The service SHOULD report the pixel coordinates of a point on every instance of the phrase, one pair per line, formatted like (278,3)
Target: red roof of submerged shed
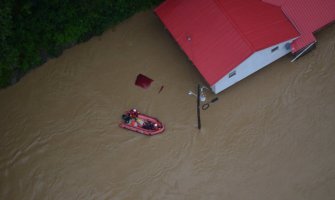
(217,35)
(308,16)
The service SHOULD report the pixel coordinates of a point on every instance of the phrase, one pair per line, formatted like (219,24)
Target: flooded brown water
(271,136)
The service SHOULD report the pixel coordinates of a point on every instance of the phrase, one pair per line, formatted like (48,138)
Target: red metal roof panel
(206,36)
(262,24)
(308,16)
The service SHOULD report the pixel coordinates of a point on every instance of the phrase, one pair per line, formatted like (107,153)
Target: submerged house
(228,40)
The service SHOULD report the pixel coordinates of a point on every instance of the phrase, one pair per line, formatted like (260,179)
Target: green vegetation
(34,30)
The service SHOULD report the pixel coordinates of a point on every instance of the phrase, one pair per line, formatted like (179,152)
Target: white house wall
(255,62)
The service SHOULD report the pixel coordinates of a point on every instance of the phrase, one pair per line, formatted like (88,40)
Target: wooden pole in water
(198,107)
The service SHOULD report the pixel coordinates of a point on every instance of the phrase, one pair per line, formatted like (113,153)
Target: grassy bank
(34,30)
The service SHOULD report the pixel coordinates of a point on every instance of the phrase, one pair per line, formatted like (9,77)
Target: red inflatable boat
(141,123)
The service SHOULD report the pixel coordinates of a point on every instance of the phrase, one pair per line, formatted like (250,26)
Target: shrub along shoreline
(31,31)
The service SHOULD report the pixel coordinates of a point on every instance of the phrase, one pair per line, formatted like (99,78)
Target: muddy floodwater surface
(269,137)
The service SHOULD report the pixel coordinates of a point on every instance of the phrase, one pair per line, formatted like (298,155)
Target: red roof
(217,35)
(308,16)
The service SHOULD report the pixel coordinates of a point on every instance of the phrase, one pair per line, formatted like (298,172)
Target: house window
(274,49)
(231,74)
(288,46)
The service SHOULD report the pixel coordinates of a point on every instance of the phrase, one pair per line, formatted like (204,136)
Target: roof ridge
(244,37)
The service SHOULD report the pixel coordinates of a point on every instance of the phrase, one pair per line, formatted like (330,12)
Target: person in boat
(150,125)
(133,113)
(131,118)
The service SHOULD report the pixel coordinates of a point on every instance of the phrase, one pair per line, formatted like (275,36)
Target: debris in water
(206,105)
(161,89)
(143,81)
